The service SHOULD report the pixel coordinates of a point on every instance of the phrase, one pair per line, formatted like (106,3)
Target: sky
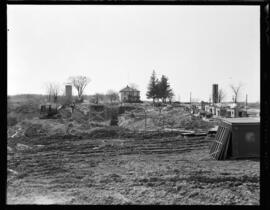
(194,46)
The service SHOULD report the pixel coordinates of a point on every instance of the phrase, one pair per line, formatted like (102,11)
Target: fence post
(144,120)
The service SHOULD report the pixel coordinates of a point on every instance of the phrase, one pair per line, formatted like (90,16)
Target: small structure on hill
(130,95)
(210,108)
(236,111)
(49,110)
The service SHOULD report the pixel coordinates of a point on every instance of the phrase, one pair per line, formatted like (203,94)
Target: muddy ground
(173,170)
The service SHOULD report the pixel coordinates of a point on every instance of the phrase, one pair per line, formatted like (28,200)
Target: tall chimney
(215,94)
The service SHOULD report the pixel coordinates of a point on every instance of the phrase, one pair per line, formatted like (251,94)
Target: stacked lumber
(220,145)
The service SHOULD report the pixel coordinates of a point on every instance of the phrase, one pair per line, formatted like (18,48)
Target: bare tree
(52,91)
(221,95)
(98,97)
(113,95)
(236,90)
(56,91)
(48,90)
(79,82)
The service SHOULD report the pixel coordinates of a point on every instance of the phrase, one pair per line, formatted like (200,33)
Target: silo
(68,93)
(215,94)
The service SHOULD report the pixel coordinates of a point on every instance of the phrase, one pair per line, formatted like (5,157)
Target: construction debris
(22,147)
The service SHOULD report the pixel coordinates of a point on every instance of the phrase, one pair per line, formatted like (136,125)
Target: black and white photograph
(133,104)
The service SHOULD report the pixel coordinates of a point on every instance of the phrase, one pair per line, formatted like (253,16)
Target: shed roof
(129,89)
(242,120)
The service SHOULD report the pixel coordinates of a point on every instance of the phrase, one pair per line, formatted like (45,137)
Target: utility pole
(144,120)
(190,98)
(246,101)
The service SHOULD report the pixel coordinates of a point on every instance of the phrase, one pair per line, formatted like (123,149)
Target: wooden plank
(220,145)
(218,132)
(225,155)
(220,140)
(224,143)
(217,143)
(213,150)
(213,147)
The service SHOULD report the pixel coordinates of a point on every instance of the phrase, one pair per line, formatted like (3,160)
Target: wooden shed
(237,138)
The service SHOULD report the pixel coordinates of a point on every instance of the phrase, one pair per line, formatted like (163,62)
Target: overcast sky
(195,46)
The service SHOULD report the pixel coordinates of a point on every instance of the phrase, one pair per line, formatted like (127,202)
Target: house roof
(129,89)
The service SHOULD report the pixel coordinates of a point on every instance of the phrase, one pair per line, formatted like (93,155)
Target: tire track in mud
(51,158)
(68,148)
(96,164)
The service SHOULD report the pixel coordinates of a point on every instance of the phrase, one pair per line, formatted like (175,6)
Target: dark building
(237,138)
(215,94)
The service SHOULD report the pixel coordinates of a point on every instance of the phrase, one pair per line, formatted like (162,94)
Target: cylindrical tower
(215,94)
(68,93)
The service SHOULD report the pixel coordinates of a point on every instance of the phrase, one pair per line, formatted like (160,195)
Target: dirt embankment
(74,160)
(136,119)
(154,118)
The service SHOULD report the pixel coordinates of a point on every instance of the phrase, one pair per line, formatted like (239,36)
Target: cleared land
(114,169)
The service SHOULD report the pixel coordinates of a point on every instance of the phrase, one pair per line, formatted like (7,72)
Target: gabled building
(236,112)
(129,95)
(221,111)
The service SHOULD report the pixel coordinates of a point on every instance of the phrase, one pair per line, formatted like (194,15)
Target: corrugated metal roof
(242,120)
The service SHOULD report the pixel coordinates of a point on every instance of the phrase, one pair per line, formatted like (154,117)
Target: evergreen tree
(163,87)
(164,90)
(153,87)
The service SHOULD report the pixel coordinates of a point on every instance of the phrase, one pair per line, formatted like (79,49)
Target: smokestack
(215,94)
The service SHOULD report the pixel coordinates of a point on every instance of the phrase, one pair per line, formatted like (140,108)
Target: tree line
(54,91)
(159,89)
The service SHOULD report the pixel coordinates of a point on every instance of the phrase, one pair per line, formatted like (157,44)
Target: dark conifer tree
(152,87)
(164,90)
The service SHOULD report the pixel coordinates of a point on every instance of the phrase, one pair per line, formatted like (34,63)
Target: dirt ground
(174,170)
(75,160)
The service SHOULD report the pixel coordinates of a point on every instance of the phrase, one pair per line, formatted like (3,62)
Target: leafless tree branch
(236,90)
(79,82)
(221,95)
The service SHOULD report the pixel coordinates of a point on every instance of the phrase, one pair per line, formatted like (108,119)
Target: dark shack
(237,138)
